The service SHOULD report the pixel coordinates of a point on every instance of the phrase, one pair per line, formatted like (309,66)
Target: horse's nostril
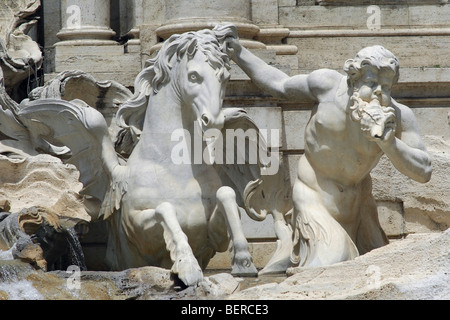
(205,119)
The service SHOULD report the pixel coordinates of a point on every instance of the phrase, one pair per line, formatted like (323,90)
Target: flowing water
(75,250)
(13,281)
(6,255)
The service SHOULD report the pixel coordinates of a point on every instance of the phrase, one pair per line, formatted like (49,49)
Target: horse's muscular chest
(153,185)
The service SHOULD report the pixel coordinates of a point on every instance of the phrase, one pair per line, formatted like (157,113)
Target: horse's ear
(192,48)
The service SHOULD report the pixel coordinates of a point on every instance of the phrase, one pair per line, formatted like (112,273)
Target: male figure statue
(354,121)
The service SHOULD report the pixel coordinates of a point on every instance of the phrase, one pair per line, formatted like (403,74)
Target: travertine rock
(147,283)
(42,238)
(41,181)
(416,267)
(426,207)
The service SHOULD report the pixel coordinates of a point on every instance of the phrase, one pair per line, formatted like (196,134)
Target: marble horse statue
(161,212)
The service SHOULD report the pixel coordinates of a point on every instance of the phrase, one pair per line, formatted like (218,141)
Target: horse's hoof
(242,265)
(244,271)
(188,271)
(191,279)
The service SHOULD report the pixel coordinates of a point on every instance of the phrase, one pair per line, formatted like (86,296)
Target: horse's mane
(156,72)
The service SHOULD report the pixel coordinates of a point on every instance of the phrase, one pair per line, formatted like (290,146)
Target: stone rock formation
(43,239)
(146,283)
(416,267)
(43,181)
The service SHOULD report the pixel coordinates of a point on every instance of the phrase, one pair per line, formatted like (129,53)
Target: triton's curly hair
(375,56)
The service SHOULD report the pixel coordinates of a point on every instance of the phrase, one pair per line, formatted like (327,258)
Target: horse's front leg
(185,265)
(241,261)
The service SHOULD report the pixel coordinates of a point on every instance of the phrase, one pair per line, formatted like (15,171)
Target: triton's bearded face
(375,84)
(371,101)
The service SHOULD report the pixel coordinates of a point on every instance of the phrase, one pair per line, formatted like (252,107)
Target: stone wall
(297,36)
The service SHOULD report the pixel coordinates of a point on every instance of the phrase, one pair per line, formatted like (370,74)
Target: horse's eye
(194,77)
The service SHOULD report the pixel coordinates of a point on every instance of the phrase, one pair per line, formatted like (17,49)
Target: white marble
(353,123)
(164,212)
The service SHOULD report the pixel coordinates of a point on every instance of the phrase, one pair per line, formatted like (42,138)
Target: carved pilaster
(182,16)
(130,25)
(87,43)
(85,22)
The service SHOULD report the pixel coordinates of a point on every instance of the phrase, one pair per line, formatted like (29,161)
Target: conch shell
(379,114)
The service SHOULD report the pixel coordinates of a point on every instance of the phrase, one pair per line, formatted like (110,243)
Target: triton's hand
(389,131)
(225,33)
(378,126)
(233,47)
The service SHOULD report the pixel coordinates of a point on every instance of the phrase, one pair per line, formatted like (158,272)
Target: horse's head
(195,65)
(202,74)
(202,83)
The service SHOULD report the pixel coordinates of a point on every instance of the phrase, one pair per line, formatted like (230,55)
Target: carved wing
(250,168)
(262,185)
(79,135)
(14,138)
